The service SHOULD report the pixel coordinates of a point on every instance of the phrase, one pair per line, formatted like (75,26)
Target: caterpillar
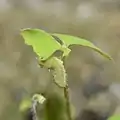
(59,72)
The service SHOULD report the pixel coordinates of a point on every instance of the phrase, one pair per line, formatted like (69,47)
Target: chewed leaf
(114,117)
(71,40)
(44,45)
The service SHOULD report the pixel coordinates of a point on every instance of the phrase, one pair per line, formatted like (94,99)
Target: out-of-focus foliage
(96,20)
(115,117)
(55,108)
(25,104)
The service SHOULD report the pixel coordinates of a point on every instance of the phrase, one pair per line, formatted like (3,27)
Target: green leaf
(44,45)
(114,117)
(71,40)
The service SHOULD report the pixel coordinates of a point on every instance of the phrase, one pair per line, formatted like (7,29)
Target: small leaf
(44,45)
(39,98)
(114,117)
(71,40)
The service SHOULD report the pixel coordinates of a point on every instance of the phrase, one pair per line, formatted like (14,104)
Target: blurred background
(94,81)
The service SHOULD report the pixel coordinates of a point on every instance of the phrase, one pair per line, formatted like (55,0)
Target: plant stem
(66,95)
(33,110)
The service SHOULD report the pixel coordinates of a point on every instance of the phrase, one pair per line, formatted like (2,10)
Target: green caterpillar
(58,71)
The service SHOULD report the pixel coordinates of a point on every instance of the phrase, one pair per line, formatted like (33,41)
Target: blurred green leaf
(44,45)
(71,40)
(114,117)
(25,104)
(54,107)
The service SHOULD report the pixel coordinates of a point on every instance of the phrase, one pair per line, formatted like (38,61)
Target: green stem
(67,97)
(68,109)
